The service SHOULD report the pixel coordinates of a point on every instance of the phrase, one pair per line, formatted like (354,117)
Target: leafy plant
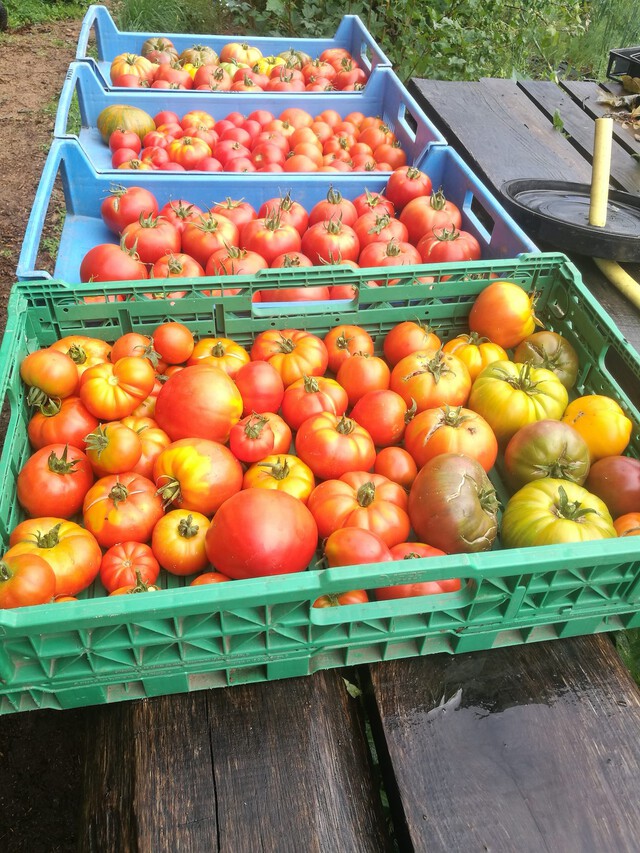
(22,12)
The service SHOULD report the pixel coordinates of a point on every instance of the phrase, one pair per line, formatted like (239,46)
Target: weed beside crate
(102,649)
(110,42)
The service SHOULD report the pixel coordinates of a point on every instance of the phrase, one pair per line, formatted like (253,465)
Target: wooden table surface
(527,748)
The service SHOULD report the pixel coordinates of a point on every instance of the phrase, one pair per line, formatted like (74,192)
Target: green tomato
(510,396)
(550,511)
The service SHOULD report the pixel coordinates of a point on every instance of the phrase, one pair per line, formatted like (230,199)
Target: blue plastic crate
(84,190)
(384,96)
(110,42)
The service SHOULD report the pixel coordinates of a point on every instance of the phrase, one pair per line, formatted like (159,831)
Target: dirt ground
(40,786)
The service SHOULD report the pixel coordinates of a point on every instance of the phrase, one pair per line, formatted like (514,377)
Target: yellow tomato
(285,473)
(475,351)
(602,424)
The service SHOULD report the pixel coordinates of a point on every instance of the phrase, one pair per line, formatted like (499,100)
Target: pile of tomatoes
(239,67)
(293,141)
(219,462)
(407,224)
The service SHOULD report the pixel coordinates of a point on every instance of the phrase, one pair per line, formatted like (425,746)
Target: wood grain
(543,752)
(586,95)
(276,766)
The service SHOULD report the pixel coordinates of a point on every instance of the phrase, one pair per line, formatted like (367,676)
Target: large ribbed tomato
(332,445)
(450,430)
(121,507)
(294,353)
(113,391)
(431,379)
(199,401)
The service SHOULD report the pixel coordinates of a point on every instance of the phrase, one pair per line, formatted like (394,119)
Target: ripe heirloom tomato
(113,448)
(209,577)
(476,352)
(416,551)
(360,499)
(289,212)
(55,479)
(270,237)
(334,206)
(220,352)
(601,422)
(408,337)
(354,596)
(343,341)
(176,265)
(379,228)
(134,344)
(125,205)
(453,506)
(361,374)
(72,552)
(450,430)
(309,396)
(405,184)
(259,532)
(153,441)
(251,439)
(49,373)
(178,541)
(503,312)
(83,351)
(431,379)
(179,212)
(209,233)
(326,241)
(127,562)
(68,422)
(424,214)
(121,507)
(350,546)
(546,448)
(510,396)
(25,579)
(552,351)
(332,445)
(282,472)
(110,262)
(396,464)
(198,402)
(112,391)
(151,237)
(293,353)
(260,386)
(196,474)
(548,512)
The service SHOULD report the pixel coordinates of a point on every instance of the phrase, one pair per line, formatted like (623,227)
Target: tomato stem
(170,491)
(5,572)
(279,470)
(187,528)
(570,510)
(366,494)
(60,464)
(311,385)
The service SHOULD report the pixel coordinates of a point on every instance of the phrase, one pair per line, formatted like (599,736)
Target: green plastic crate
(104,649)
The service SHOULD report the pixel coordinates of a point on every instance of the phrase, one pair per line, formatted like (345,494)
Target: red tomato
(251,439)
(201,239)
(444,245)
(343,341)
(311,395)
(125,205)
(270,237)
(408,337)
(332,445)
(197,474)
(108,262)
(235,261)
(173,342)
(68,423)
(361,373)
(237,210)
(416,551)
(428,212)
(325,241)
(261,532)
(383,413)
(72,552)
(48,373)
(405,184)
(128,563)
(120,507)
(176,265)
(350,546)
(198,402)
(289,212)
(377,202)
(55,479)
(209,577)
(179,212)
(396,464)
(113,448)
(374,227)
(336,206)
(261,387)
(431,379)
(25,579)
(153,441)
(628,524)
(355,596)
(178,542)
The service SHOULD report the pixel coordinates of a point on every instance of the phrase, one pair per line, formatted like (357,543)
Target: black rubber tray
(557,213)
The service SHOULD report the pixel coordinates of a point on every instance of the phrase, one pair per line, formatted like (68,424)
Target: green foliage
(628,645)
(172,16)
(22,12)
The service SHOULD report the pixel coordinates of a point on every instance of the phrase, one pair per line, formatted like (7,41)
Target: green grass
(172,16)
(23,12)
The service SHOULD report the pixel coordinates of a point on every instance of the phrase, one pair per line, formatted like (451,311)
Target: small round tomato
(351,546)
(284,473)
(252,438)
(343,341)
(408,337)
(173,342)
(55,479)
(178,541)
(628,524)
(396,464)
(25,579)
(384,415)
(127,562)
(48,373)
(113,448)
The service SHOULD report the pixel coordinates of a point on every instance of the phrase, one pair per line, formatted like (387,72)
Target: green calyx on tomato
(437,200)
(446,235)
(571,510)
(366,494)
(61,464)
(382,221)
(522,381)
(49,539)
(187,528)
(345,426)
(46,405)
(278,470)
(170,491)
(77,354)
(436,366)
(311,385)
(254,425)
(141,585)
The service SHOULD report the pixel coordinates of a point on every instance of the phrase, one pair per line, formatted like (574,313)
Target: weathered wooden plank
(277,766)
(498,131)
(578,124)
(586,94)
(539,748)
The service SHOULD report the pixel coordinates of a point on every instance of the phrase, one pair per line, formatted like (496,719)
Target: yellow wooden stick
(600,173)
(627,285)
